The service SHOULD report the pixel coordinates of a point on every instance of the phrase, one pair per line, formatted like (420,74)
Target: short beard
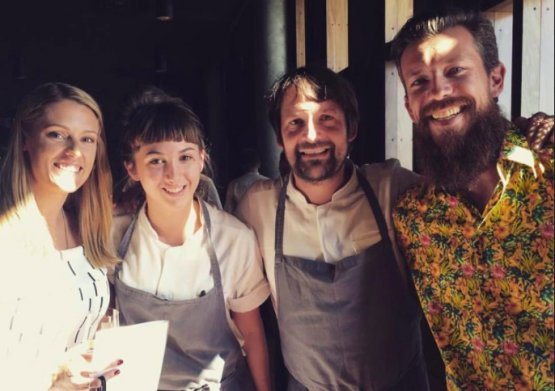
(459,159)
(327,167)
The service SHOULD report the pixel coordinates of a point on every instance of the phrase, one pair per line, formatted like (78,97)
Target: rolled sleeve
(243,275)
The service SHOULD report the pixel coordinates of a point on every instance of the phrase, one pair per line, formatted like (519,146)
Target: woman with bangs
(55,218)
(184,260)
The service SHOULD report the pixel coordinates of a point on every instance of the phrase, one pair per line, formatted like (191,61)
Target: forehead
(452,44)
(167,146)
(69,113)
(295,101)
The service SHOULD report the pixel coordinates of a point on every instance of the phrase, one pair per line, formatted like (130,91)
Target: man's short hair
(430,24)
(314,84)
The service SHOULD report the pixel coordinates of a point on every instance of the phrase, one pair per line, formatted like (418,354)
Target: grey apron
(198,329)
(351,325)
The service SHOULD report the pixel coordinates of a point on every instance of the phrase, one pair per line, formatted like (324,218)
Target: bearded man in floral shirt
(478,234)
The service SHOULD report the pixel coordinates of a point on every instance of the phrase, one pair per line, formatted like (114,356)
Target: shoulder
(223,222)
(389,169)
(120,222)
(263,187)
(389,176)
(259,199)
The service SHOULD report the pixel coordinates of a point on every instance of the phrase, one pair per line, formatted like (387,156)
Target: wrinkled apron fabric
(200,342)
(350,325)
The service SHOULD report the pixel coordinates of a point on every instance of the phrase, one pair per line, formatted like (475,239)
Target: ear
(497,80)
(409,110)
(131,170)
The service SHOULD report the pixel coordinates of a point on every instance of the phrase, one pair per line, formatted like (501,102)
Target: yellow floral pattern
(485,280)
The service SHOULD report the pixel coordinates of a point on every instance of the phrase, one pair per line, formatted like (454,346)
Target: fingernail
(120,362)
(116,372)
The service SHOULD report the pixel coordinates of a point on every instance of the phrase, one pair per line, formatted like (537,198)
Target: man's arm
(538,130)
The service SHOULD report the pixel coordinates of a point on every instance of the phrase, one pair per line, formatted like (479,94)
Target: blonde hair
(91,203)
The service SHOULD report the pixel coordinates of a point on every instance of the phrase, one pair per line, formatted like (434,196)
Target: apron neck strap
(280,217)
(126,240)
(374,205)
(370,196)
(210,245)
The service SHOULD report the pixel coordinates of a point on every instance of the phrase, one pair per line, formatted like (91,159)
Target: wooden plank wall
(337,34)
(537,57)
(300,33)
(398,125)
(502,19)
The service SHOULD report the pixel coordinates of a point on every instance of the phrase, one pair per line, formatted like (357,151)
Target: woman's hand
(78,374)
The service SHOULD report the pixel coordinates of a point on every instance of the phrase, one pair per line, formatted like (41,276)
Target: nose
(169,170)
(312,132)
(441,87)
(72,147)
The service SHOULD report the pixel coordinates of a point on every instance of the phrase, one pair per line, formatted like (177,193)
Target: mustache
(318,144)
(427,110)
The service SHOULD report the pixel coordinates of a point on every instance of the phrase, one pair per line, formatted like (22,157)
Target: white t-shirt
(183,272)
(330,232)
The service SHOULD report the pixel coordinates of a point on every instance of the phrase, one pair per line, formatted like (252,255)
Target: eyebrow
(65,127)
(156,152)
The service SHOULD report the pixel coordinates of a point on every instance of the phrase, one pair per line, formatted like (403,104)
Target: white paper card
(140,346)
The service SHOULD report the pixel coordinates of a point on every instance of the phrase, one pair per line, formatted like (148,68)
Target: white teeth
(174,190)
(445,113)
(314,151)
(68,167)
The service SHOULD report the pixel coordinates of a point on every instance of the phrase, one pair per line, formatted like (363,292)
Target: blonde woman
(55,218)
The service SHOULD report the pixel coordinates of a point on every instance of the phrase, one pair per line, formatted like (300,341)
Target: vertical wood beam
(337,34)
(300,33)
(502,20)
(398,125)
(547,62)
(531,32)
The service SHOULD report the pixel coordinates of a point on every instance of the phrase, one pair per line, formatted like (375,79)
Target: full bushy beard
(317,170)
(461,156)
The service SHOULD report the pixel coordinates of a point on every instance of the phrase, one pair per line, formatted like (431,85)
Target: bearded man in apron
(347,315)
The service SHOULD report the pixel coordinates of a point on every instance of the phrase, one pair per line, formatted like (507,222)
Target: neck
(319,193)
(482,188)
(50,205)
(174,226)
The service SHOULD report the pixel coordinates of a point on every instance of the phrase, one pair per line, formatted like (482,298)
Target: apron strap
(403,267)
(375,206)
(126,240)
(210,246)
(280,218)
(372,200)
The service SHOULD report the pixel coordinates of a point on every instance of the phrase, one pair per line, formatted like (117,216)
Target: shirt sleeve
(250,287)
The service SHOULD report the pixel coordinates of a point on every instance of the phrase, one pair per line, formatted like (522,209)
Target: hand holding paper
(140,346)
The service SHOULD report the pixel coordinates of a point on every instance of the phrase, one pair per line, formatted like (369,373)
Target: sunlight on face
(62,147)
(439,45)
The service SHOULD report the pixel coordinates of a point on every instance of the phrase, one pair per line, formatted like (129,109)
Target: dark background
(209,54)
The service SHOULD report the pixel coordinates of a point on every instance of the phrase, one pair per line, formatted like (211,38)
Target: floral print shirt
(485,279)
